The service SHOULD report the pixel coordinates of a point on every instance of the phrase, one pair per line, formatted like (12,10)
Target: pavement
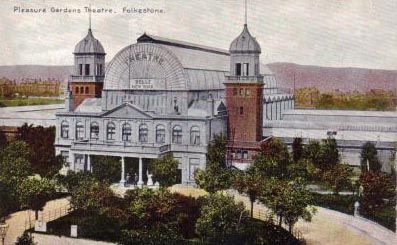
(18,221)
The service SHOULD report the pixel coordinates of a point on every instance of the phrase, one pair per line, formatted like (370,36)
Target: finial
(245,23)
(89,16)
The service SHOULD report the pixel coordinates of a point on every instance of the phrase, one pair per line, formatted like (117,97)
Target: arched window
(79,131)
(64,130)
(143,133)
(177,134)
(160,134)
(81,90)
(94,131)
(126,132)
(77,90)
(87,90)
(194,135)
(110,131)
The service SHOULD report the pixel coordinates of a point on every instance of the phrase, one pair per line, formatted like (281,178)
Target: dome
(89,45)
(245,43)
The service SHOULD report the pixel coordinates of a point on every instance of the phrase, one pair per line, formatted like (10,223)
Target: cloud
(357,33)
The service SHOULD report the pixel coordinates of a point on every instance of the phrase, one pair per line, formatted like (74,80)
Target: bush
(344,204)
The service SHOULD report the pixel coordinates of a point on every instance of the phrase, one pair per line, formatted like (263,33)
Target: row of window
(242,91)
(82,90)
(98,69)
(126,132)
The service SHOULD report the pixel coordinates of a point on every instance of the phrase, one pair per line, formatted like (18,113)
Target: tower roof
(89,45)
(245,43)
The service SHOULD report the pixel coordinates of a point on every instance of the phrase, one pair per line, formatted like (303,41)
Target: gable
(127,111)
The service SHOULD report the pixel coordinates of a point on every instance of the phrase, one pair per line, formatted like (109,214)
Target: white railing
(48,216)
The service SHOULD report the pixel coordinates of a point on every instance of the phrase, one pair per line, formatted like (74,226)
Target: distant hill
(324,78)
(328,79)
(20,72)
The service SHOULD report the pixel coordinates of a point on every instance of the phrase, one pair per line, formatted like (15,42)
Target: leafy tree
(270,167)
(338,178)
(8,202)
(42,150)
(34,193)
(276,150)
(14,165)
(165,170)
(288,200)
(72,180)
(312,152)
(213,179)
(162,234)
(25,239)
(297,149)
(3,139)
(369,158)
(250,183)
(220,218)
(217,152)
(106,168)
(329,154)
(304,169)
(376,186)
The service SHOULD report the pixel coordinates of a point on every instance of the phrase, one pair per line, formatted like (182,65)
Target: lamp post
(3,231)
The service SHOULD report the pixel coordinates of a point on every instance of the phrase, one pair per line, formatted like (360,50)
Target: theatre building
(160,96)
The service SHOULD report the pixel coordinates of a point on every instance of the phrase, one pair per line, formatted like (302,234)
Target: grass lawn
(29,101)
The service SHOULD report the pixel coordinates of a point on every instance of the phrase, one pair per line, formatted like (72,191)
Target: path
(17,221)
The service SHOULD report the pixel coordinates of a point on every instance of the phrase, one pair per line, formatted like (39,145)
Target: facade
(161,96)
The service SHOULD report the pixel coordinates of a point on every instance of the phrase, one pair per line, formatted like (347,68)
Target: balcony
(245,79)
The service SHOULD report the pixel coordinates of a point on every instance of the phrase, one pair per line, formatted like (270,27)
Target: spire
(245,22)
(89,17)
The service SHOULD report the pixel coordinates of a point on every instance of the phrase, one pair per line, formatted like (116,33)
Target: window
(80,69)
(245,69)
(194,135)
(87,90)
(160,134)
(81,90)
(256,69)
(64,130)
(126,132)
(143,133)
(94,131)
(110,131)
(241,110)
(234,91)
(241,92)
(238,69)
(79,131)
(245,154)
(247,92)
(100,69)
(177,135)
(77,90)
(65,156)
(87,69)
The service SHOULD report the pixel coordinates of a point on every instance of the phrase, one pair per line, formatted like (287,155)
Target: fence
(48,216)
(264,216)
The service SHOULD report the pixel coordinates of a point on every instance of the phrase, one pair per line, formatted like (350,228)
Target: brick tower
(89,70)
(244,100)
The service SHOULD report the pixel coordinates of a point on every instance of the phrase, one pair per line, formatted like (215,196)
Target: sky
(335,33)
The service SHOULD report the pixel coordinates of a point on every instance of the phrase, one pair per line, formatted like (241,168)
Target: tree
(369,158)
(3,139)
(216,176)
(42,150)
(72,180)
(14,165)
(219,218)
(329,154)
(165,170)
(376,187)
(297,149)
(312,152)
(250,183)
(217,152)
(34,193)
(270,167)
(106,168)
(8,199)
(304,169)
(213,179)
(289,200)
(339,177)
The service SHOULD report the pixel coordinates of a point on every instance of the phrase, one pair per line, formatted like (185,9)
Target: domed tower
(244,100)
(89,69)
